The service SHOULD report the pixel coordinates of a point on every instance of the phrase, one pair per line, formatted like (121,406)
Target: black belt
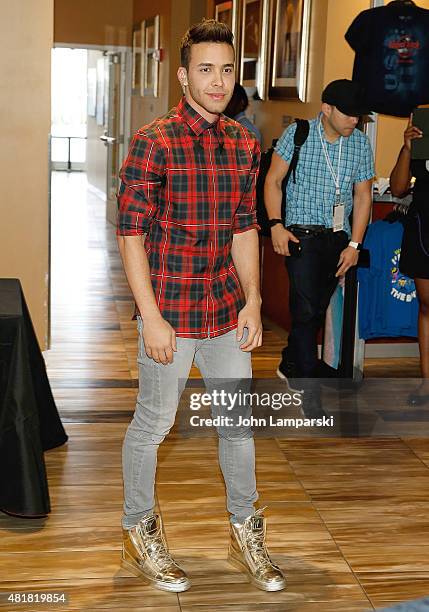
(313,230)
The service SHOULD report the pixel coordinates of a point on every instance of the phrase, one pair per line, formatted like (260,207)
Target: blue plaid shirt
(311,199)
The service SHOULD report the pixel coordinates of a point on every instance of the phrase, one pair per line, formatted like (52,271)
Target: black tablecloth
(29,421)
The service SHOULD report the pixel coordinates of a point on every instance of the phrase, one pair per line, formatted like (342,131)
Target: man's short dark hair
(208,30)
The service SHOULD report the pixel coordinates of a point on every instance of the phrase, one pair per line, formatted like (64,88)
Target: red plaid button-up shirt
(190,185)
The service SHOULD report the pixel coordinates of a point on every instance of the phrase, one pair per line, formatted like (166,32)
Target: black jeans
(312,282)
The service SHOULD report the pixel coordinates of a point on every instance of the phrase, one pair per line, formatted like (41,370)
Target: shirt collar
(195,121)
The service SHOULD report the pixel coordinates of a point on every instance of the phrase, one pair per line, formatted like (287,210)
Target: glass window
(69,103)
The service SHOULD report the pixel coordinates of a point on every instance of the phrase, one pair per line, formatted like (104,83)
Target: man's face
(210,78)
(341,123)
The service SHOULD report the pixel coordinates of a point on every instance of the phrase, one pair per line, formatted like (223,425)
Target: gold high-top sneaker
(145,554)
(247,552)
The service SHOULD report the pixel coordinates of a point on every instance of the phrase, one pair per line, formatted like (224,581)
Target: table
(29,420)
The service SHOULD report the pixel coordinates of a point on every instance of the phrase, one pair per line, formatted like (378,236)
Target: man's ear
(327,109)
(182,75)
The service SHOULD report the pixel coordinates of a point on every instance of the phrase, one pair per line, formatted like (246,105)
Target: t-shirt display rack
(352,346)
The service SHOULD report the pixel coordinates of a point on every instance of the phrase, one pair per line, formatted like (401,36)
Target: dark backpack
(300,136)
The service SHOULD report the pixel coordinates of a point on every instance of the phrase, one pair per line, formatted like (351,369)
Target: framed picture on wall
(227,12)
(223,12)
(151,57)
(137,59)
(254,40)
(290,42)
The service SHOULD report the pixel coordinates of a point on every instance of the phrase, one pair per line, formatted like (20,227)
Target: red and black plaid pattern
(190,185)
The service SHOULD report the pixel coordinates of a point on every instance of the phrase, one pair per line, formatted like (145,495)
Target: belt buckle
(316,231)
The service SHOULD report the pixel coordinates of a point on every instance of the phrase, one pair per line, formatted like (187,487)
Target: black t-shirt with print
(392,56)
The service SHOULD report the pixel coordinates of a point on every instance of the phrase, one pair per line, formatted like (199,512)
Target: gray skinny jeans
(160,388)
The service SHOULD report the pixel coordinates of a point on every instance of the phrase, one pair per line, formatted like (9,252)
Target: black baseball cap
(347,96)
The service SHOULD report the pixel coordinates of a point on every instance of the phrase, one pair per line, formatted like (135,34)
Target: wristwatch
(356,245)
(273,222)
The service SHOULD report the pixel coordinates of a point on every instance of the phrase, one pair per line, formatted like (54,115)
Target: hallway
(347,518)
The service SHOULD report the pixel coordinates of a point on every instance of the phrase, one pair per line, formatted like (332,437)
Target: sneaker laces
(157,546)
(256,542)
(163,557)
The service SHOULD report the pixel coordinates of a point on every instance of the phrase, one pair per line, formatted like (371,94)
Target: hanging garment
(388,305)
(392,56)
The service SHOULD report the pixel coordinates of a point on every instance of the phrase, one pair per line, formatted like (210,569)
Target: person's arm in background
(141,177)
(280,236)
(401,176)
(245,255)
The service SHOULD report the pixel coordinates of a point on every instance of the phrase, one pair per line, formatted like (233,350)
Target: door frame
(124,129)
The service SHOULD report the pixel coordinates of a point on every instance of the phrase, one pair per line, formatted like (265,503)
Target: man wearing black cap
(333,180)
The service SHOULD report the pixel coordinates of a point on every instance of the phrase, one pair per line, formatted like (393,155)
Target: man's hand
(280,237)
(159,340)
(250,317)
(348,258)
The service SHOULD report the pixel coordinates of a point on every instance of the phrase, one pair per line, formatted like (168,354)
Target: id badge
(338,218)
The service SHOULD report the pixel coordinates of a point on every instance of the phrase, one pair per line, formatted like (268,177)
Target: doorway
(90,116)
(91,93)
(69,109)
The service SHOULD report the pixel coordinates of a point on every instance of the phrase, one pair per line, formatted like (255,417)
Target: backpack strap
(300,136)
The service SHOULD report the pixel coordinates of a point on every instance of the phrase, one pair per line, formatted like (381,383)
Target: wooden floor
(348,518)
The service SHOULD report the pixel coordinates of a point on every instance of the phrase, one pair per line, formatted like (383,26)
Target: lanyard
(335,176)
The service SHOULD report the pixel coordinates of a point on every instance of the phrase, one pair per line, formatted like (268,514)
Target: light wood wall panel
(98,22)
(26,31)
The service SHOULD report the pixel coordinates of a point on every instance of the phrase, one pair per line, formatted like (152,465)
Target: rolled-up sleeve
(285,144)
(245,215)
(366,170)
(142,176)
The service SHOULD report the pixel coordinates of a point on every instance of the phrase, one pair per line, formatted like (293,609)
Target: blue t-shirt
(311,199)
(388,305)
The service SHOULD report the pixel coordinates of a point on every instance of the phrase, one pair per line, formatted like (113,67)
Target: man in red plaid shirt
(187,234)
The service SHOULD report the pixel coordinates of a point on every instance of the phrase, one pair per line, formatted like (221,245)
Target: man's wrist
(355,245)
(253,299)
(152,316)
